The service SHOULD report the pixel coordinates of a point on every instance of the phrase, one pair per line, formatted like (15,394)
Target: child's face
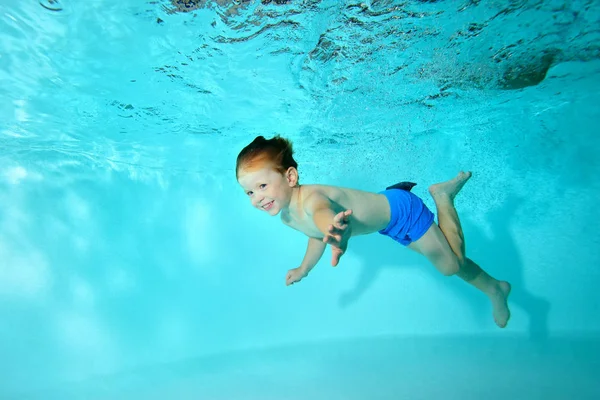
(268,190)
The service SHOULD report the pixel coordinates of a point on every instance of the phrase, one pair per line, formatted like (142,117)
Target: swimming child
(268,173)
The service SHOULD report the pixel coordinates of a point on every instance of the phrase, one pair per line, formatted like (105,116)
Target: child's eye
(249,193)
(262,186)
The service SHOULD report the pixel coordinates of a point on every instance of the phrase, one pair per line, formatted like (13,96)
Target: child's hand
(338,236)
(295,275)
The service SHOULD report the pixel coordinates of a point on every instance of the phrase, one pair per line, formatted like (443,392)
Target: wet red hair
(277,151)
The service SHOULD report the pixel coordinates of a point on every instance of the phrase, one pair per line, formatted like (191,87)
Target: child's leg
(445,248)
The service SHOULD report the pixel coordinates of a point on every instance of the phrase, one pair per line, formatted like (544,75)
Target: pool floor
(375,368)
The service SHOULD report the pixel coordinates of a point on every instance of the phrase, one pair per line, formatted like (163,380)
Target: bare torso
(370,211)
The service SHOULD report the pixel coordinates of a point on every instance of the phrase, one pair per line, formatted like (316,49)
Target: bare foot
(499,303)
(450,188)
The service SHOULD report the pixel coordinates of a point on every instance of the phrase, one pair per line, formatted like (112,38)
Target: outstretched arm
(335,226)
(321,210)
(314,252)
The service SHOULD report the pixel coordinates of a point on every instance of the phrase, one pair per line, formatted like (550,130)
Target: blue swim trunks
(410,217)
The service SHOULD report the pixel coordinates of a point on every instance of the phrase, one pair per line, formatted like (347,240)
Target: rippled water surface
(141,84)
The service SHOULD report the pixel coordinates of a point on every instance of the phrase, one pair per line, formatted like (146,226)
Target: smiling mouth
(268,205)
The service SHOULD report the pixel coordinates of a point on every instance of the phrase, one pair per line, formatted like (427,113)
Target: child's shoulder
(317,190)
(322,194)
(317,195)
(330,190)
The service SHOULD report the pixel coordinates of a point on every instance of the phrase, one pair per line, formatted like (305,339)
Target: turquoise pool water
(133,267)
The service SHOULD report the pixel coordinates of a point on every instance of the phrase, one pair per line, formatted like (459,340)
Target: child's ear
(292,176)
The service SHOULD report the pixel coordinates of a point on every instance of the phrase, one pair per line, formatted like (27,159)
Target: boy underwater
(268,173)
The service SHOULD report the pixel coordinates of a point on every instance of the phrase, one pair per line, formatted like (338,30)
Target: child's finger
(342,216)
(333,239)
(334,260)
